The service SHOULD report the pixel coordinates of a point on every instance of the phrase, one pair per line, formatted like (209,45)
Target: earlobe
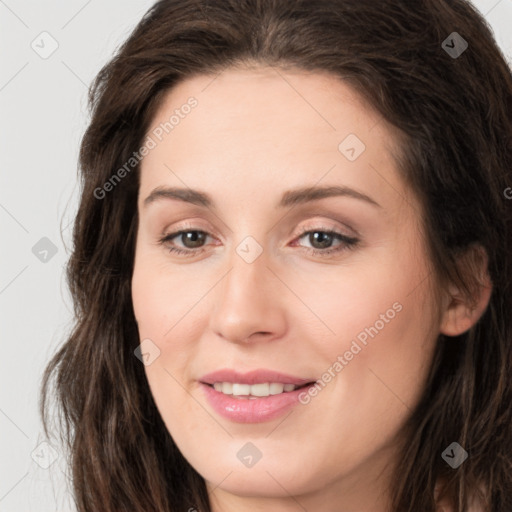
(461,312)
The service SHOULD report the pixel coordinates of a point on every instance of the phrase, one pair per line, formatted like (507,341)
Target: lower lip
(246,410)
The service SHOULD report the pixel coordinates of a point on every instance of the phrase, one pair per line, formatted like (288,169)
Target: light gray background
(42,118)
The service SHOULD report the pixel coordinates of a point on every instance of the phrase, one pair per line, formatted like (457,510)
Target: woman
(292,263)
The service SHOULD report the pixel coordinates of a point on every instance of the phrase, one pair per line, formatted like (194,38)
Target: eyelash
(348,242)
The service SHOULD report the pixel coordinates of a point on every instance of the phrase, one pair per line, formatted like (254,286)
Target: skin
(255,134)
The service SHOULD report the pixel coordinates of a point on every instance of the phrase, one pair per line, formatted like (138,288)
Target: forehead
(267,101)
(265,127)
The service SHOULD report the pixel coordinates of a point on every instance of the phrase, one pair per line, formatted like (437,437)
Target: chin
(273,479)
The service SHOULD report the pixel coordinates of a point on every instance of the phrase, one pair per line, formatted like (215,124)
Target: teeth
(259,389)
(241,389)
(254,390)
(275,388)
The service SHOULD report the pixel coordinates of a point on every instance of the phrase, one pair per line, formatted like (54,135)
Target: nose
(249,303)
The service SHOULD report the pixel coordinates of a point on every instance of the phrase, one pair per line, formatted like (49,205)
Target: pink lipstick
(253,397)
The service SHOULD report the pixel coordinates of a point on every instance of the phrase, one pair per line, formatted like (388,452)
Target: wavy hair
(454,117)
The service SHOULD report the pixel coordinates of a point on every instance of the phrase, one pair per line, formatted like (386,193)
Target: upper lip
(253,377)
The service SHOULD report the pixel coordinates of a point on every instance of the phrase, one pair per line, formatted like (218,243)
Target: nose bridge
(245,300)
(248,260)
(248,275)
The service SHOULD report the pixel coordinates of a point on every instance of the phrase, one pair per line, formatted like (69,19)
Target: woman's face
(281,154)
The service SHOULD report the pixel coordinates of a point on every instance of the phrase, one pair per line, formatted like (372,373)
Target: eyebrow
(289,198)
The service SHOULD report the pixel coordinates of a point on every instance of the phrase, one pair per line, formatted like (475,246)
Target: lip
(253,377)
(258,410)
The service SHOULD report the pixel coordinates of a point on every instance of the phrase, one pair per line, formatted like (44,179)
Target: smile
(253,397)
(254,391)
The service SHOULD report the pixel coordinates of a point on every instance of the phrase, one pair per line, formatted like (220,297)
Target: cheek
(380,345)
(386,347)
(155,304)
(163,309)
(169,312)
(162,300)
(374,372)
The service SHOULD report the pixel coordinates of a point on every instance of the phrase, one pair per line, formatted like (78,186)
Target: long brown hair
(454,114)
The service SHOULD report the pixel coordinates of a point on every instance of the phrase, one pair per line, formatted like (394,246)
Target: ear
(460,310)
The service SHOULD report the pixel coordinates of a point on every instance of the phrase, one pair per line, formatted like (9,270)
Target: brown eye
(322,238)
(192,239)
(321,241)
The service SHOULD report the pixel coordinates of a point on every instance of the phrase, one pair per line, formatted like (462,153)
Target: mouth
(254,391)
(254,397)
